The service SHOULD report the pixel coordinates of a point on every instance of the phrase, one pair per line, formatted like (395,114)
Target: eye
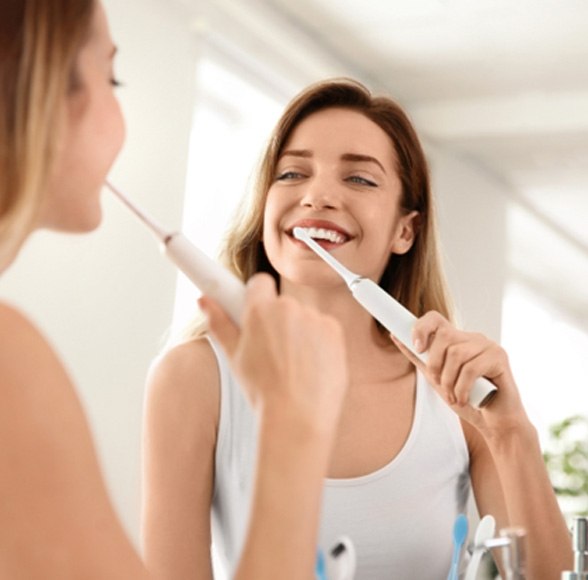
(362,181)
(115,83)
(289,176)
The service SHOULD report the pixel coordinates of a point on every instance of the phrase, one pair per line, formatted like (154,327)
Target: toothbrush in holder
(209,276)
(398,320)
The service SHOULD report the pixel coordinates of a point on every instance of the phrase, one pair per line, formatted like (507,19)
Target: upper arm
(180,430)
(56,520)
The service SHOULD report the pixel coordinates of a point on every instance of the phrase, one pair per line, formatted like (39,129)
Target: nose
(321,194)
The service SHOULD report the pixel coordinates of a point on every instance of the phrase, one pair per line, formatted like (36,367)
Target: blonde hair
(415,279)
(39,44)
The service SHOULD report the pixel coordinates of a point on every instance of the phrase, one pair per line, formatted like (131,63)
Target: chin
(78,223)
(89,223)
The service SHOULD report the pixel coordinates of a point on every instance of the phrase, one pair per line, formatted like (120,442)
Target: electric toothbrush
(209,276)
(398,320)
(484,532)
(342,560)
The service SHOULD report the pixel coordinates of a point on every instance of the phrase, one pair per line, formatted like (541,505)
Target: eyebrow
(296,153)
(362,158)
(305,153)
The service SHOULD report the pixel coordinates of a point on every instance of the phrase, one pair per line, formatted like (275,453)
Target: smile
(325,234)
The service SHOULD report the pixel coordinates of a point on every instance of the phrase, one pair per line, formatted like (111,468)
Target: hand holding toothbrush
(287,355)
(455,359)
(291,361)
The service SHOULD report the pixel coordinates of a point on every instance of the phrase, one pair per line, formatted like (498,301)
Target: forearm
(282,538)
(531,502)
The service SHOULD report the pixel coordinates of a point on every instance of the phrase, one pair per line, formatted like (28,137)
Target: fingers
(221,326)
(260,289)
(261,296)
(408,354)
(464,363)
(455,358)
(425,330)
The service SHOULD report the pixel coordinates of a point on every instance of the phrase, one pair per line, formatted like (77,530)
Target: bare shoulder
(183,360)
(16,329)
(36,391)
(26,357)
(185,381)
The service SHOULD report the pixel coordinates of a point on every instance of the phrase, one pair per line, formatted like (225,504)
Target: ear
(407,229)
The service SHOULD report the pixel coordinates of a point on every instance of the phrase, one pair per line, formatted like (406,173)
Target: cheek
(271,216)
(90,147)
(104,135)
(120,130)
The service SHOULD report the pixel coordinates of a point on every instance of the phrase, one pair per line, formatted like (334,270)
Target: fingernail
(418,345)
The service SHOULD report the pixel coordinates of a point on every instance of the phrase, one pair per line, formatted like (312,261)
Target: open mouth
(326,237)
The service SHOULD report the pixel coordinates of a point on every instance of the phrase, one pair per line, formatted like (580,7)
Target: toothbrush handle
(453,572)
(474,564)
(399,321)
(209,276)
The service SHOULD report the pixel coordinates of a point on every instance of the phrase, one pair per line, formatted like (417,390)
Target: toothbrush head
(347,275)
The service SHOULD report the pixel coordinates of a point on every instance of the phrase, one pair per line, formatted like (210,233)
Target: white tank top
(399,518)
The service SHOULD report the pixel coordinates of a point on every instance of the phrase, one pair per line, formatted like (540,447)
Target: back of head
(39,43)
(415,278)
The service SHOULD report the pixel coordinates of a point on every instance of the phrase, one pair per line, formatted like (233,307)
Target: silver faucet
(511,542)
(513,553)
(580,547)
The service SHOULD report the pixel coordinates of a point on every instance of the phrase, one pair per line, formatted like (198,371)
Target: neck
(334,299)
(370,351)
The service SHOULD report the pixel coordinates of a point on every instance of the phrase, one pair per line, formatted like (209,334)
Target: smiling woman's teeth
(324,234)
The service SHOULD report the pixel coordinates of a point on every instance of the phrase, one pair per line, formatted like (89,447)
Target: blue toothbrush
(320,570)
(460,533)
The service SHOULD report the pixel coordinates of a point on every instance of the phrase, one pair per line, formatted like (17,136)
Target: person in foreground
(349,169)
(60,130)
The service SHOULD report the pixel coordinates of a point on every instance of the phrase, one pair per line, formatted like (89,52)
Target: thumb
(408,354)
(261,288)
(221,326)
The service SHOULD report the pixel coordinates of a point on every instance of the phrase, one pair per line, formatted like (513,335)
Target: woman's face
(336,176)
(93,137)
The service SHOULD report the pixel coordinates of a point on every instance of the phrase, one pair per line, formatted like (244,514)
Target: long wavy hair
(39,44)
(416,278)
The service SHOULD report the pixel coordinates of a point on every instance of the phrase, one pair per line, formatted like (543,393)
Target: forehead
(338,129)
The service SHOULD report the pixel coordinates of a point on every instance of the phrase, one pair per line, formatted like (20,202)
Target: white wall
(472,209)
(106,299)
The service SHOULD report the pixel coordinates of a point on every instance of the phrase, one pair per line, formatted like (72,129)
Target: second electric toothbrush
(398,320)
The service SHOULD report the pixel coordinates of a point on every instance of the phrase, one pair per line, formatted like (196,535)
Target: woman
(60,130)
(348,167)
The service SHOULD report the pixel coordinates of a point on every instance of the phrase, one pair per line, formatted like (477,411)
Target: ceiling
(503,84)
